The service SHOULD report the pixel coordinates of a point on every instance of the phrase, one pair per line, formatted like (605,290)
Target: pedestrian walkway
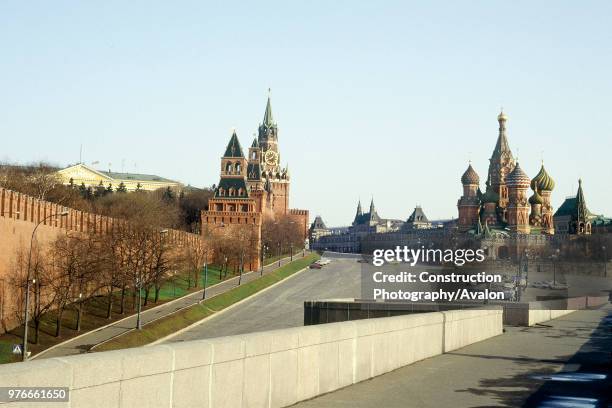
(84,342)
(564,362)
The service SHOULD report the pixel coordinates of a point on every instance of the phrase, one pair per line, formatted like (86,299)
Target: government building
(81,174)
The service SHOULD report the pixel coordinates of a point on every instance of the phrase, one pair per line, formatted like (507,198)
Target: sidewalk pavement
(83,343)
(564,362)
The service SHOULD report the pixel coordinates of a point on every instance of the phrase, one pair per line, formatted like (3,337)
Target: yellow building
(83,174)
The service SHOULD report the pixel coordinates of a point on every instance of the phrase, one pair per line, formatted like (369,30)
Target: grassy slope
(94,316)
(170,324)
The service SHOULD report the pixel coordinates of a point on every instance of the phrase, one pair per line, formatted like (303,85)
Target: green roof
(233,148)
(268,120)
(136,177)
(231,182)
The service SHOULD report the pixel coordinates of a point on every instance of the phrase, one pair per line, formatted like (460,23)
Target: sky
(386,99)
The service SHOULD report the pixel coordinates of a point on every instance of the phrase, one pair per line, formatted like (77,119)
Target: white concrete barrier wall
(267,369)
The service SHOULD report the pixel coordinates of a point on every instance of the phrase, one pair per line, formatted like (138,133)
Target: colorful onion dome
(536,198)
(542,181)
(470,176)
(518,178)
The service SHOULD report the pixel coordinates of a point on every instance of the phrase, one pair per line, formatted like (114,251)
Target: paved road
(84,343)
(283,305)
(508,370)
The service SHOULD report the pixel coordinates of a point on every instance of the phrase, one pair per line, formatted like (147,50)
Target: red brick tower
(469,203)
(518,207)
(232,212)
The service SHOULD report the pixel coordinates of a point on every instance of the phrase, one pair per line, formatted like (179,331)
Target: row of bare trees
(76,268)
(281,235)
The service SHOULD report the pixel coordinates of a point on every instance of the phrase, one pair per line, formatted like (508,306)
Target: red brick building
(252,189)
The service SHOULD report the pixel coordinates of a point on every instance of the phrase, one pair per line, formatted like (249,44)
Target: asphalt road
(283,305)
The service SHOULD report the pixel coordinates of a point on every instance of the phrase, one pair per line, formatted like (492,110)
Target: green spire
(268,120)
(581,207)
(233,147)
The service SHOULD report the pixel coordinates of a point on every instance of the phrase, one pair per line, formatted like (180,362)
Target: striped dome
(518,178)
(470,176)
(542,181)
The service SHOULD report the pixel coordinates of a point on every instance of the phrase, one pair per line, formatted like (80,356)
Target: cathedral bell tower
(501,163)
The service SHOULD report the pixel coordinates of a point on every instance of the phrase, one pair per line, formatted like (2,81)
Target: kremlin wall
(19,215)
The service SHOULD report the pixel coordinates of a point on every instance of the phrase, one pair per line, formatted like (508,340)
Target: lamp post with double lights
(28,281)
(554,258)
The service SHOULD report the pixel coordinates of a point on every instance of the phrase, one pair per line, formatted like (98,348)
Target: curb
(184,329)
(92,348)
(128,317)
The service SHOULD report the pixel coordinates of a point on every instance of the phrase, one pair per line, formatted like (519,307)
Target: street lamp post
(24,350)
(173,284)
(279,254)
(554,259)
(263,252)
(241,267)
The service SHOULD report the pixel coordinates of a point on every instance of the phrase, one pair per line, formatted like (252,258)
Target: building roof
(470,176)
(502,146)
(268,120)
(117,176)
(254,171)
(136,177)
(232,182)
(518,178)
(575,207)
(542,181)
(318,223)
(417,216)
(233,148)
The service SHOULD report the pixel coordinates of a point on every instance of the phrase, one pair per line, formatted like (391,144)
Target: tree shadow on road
(533,385)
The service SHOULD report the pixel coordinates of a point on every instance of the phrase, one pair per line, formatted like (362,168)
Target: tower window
(228,168)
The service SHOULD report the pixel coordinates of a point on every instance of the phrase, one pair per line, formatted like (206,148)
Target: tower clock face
(271,158)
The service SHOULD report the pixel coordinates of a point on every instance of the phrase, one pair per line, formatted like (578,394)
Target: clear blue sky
(388,99)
